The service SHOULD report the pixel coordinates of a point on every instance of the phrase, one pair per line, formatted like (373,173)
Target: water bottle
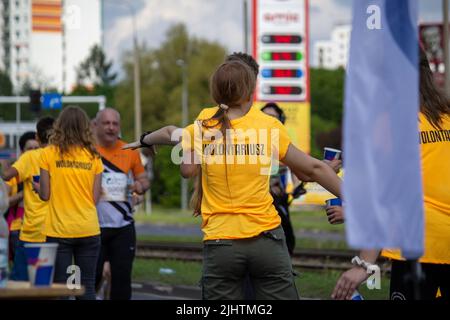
(357,296)
(4,235)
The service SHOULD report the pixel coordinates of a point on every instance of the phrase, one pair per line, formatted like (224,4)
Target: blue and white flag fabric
(383,187)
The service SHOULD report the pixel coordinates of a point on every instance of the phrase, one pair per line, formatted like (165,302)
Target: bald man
(123,178)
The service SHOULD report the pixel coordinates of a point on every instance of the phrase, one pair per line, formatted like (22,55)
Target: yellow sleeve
(187,140)
(44,162)
(98,166)
(192,134)
(281,140)
(22,166)
(12,183)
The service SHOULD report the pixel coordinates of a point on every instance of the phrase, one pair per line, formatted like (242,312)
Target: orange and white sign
(280,46)
(46,15)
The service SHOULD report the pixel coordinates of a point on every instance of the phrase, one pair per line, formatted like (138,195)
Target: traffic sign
(52,101)
(7,155)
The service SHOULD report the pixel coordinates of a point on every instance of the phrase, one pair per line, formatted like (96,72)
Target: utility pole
(136,75)
(245,22)
(137,85)
(184,122)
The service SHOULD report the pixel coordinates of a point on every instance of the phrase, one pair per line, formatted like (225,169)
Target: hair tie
(224,107)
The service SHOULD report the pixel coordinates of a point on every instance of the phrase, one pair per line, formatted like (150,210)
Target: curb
(175,292)
(184,292)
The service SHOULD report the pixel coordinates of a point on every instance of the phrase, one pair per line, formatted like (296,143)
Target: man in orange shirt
(123,179)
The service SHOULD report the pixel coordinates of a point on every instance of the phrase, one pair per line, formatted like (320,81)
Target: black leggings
(118,247)
(435,276)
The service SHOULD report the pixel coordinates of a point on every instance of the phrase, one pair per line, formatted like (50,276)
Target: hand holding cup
(334,210)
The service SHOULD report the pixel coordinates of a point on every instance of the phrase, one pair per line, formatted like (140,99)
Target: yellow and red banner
(46,15)
(298,122)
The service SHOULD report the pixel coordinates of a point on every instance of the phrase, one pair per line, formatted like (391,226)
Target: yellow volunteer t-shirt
(236,202)
(435,152)
(72,212)
(16,224)
(35,209)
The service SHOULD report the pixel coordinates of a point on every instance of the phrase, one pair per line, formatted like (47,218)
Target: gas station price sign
(280,45)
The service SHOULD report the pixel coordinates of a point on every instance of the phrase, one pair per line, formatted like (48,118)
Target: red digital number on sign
(281,39)
(282,90)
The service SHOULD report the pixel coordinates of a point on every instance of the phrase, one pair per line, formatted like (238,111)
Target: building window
(17,18)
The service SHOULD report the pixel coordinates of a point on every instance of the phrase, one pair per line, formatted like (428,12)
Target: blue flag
(382,186)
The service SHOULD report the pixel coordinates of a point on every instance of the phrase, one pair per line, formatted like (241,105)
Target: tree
(161,89)
(7,112)
(95,70)
(161,80)
(6,87)
(95,78)
(327,92)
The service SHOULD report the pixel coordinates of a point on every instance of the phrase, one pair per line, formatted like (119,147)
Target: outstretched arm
(161,136)
(336,165)
(350,280)
(304,165)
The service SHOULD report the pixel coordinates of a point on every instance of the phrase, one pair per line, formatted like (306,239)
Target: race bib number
(114,186)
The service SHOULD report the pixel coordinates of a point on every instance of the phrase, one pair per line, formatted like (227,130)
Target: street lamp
(184,122)
(245,25)
(137,79)
(137,76)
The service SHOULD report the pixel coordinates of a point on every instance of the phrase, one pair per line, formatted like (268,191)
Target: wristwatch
(141,140)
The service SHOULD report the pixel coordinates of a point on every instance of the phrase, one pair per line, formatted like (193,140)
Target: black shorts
(435,276)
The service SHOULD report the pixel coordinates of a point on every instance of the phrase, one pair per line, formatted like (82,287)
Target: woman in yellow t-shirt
(434,134)
(14,218)
(242,232)
(70,181)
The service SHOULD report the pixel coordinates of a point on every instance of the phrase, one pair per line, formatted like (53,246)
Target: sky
(217,20)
